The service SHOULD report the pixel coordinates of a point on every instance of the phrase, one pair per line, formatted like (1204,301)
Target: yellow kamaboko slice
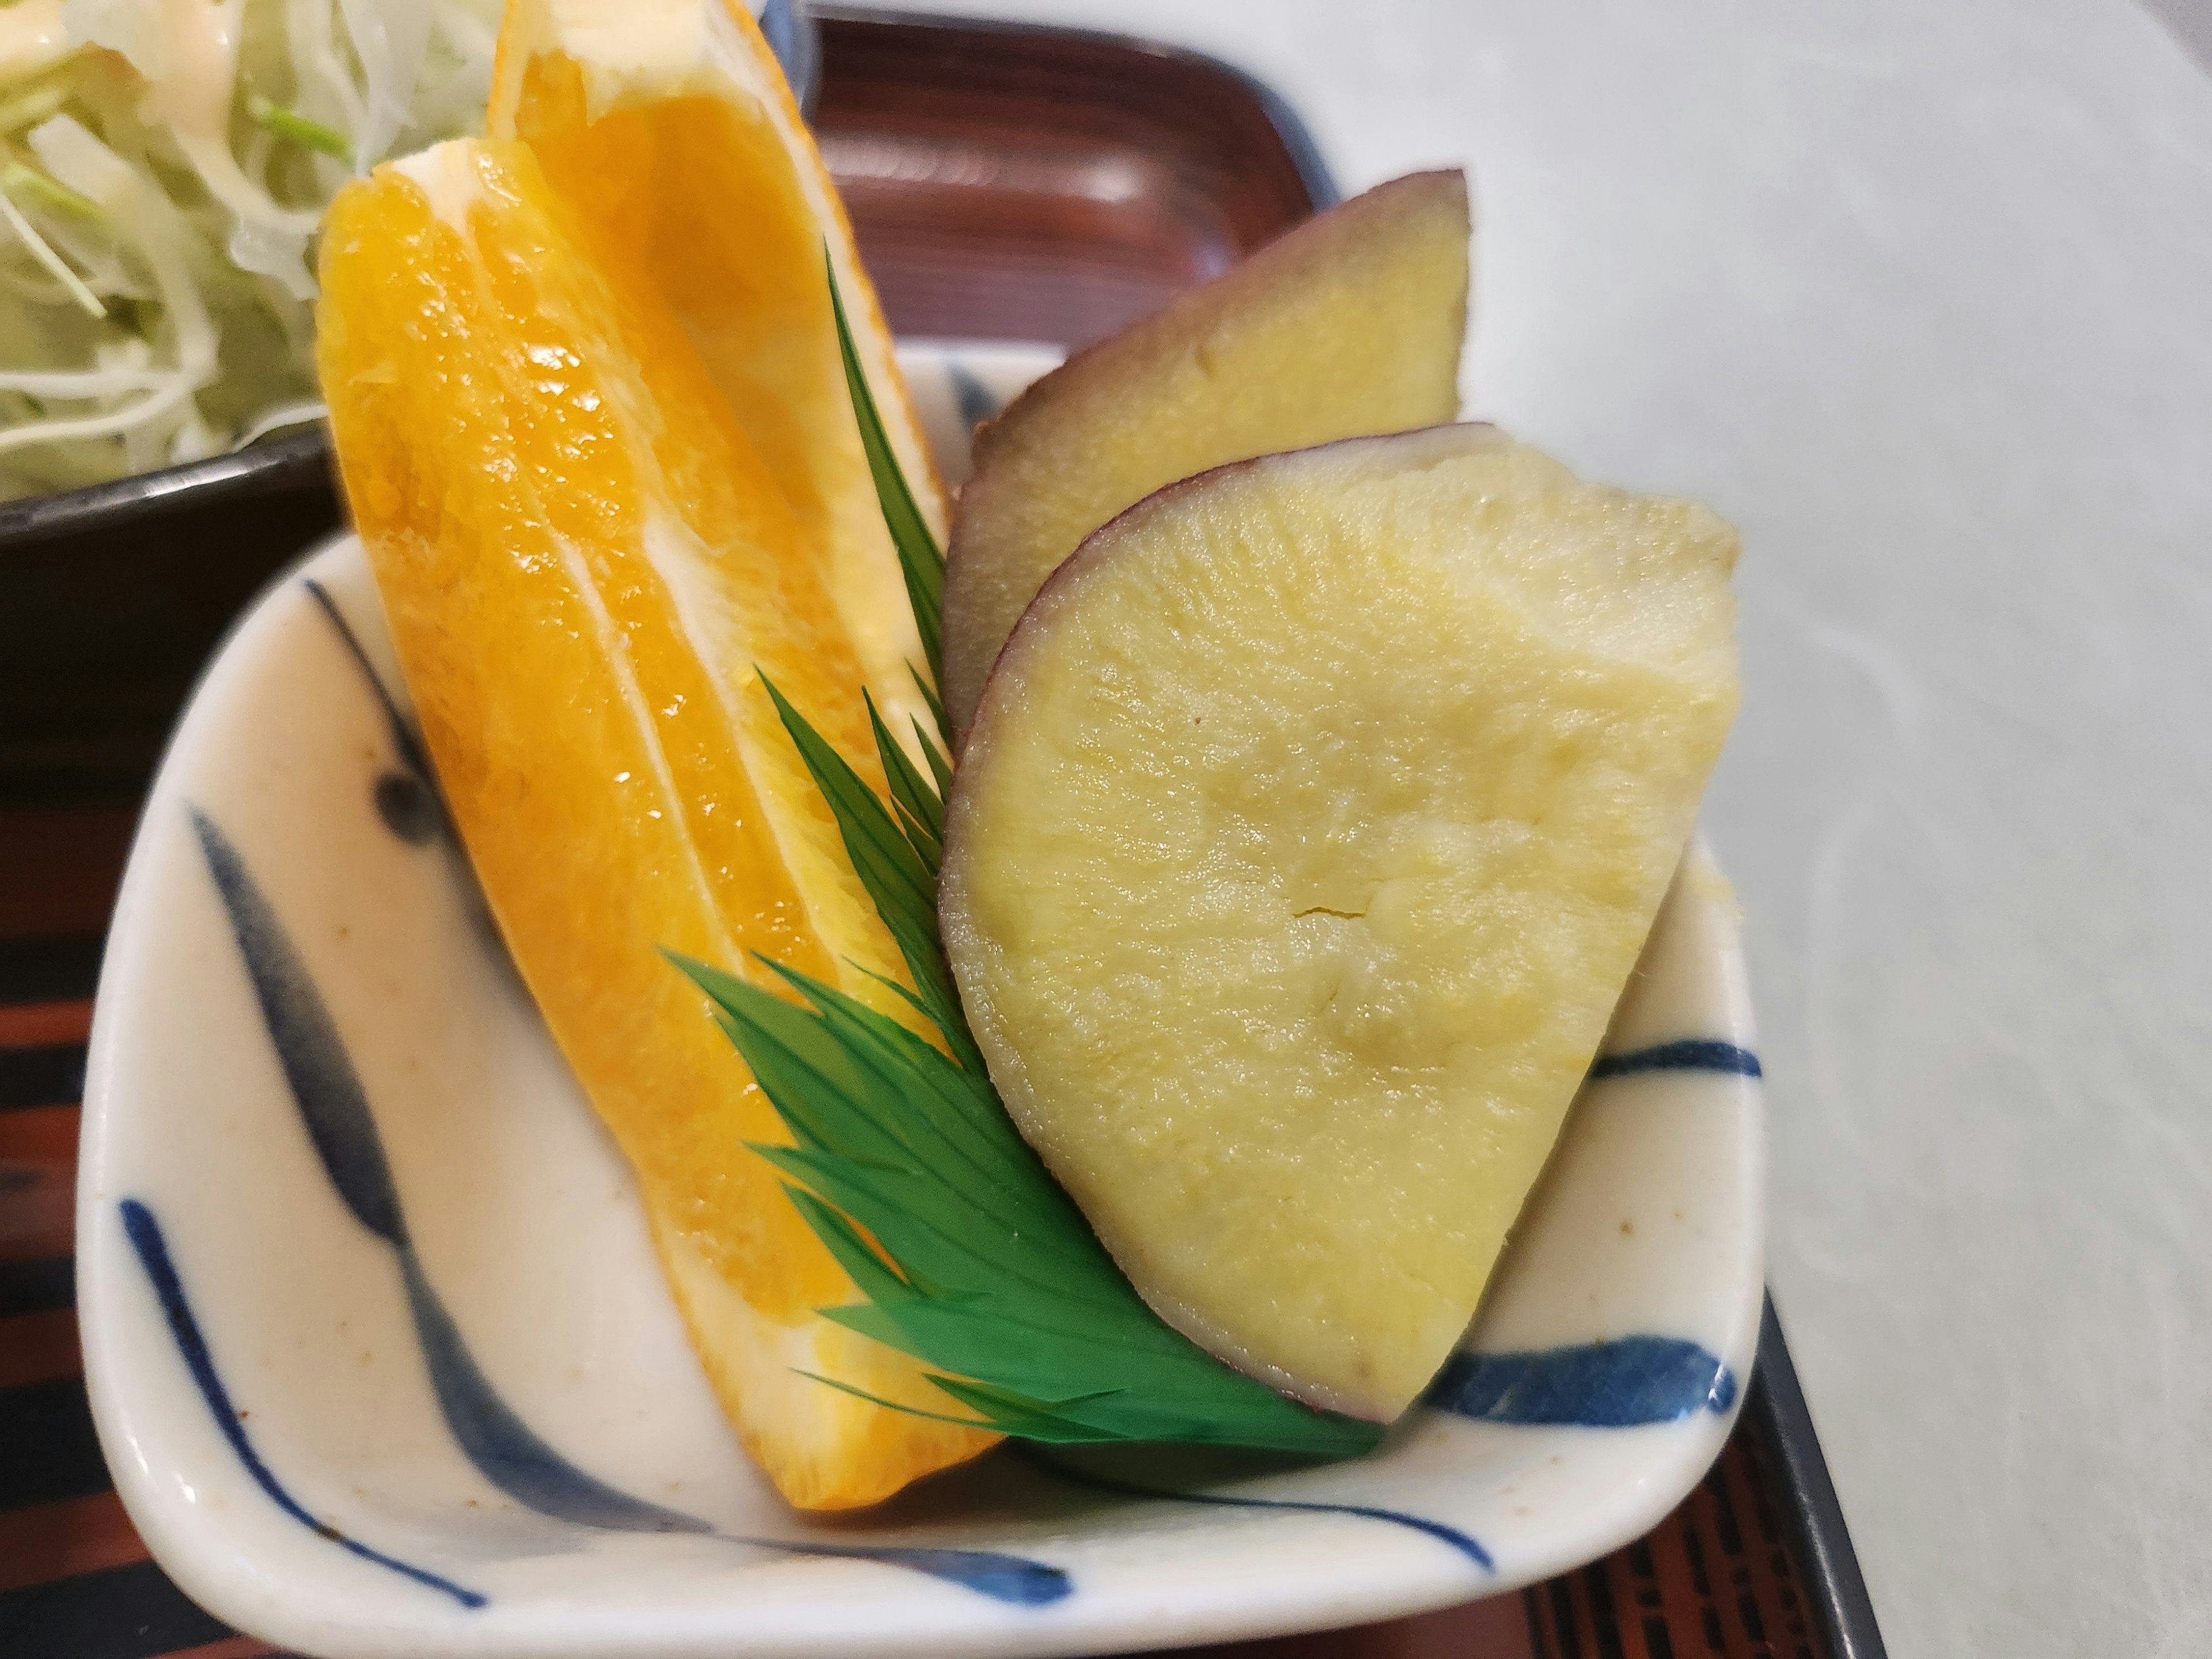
(1308,829)
(668,128)
(583,558)
(1350,324)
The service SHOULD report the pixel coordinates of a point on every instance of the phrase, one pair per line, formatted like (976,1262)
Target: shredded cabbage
(163,166)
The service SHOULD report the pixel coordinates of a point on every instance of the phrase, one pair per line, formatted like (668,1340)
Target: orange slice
(584,554)
(668,126)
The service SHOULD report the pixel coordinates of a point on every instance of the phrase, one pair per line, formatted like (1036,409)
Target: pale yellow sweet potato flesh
(1349,325)
(1305,838)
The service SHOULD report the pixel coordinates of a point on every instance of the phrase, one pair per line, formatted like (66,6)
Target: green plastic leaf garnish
(921,559)
(972,1259)
(901,881)
(907,1166)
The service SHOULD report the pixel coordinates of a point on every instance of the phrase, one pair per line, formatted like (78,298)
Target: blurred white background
(1919,293)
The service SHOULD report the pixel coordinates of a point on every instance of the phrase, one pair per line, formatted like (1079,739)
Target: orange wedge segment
(584,554)
(669,128)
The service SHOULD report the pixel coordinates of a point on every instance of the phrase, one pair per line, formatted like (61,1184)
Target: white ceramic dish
(381,1357)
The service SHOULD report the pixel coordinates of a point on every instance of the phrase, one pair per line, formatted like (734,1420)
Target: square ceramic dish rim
(1197,1617)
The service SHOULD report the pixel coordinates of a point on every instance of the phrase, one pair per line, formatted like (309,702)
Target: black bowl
(111,598)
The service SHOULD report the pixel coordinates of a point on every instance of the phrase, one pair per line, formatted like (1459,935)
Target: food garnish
(1304,833)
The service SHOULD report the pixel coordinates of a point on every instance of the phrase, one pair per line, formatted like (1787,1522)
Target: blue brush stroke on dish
(403,734)
(406,796)
(504,1447)
(314,1060)
(494,1438)
(976,402)
(1465,1544)
(1623,1384)
(145,1233)
(1688,1054)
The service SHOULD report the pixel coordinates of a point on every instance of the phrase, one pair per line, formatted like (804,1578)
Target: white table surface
(1919,293)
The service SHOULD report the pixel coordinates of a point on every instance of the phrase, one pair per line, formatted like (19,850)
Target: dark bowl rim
(297,460)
